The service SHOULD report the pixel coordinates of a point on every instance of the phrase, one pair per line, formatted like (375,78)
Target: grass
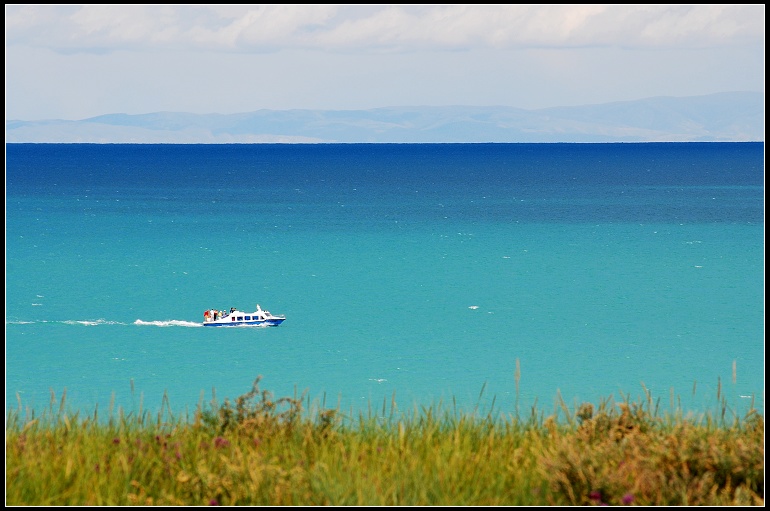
(259,450)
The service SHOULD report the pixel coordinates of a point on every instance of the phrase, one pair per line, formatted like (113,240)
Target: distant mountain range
(723,117)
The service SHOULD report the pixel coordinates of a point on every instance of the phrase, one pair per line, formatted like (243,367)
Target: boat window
(240,318)
(248,318)
(232,318)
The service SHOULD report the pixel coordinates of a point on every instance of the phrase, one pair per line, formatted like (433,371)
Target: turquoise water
(424,272)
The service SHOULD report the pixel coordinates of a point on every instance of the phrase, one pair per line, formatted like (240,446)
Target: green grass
(259,450)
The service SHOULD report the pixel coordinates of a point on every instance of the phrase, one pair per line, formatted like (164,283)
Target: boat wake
(98,322)
(172,322)
(94,322)
(86,322)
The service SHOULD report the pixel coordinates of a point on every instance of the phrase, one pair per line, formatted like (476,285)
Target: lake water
(422,273)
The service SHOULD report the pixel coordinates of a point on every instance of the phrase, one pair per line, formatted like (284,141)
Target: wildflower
(116,441)
(213,502)
(220,442)
(628,498)
(595,495)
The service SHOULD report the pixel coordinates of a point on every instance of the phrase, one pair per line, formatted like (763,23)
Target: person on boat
(232,309)
(216,314)
(206,316)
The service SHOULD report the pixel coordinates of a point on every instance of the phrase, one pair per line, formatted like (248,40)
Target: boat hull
(264,322)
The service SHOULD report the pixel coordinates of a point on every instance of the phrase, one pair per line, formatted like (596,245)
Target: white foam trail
(172,322)
(94,322)
(97,322)
(90,322)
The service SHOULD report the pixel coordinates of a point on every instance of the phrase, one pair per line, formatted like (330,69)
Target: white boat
(260,317)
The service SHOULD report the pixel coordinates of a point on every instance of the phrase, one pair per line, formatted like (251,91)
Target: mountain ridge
(720,117)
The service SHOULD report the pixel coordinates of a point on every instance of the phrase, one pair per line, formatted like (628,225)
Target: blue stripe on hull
(248,323)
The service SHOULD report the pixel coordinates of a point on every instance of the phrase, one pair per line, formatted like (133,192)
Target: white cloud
(79,61)
(362,28)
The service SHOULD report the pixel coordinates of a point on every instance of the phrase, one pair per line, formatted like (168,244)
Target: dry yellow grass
(264,451)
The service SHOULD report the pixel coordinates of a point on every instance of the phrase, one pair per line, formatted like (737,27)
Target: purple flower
(628,498)
(595,495)
(220,442)
(116,441)
(213,502)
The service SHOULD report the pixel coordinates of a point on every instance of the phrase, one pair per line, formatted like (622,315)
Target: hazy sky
(79,61)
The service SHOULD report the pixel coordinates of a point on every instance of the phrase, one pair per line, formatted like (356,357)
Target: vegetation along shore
(261,450)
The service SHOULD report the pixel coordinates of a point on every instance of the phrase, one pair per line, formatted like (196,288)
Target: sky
(74,62)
